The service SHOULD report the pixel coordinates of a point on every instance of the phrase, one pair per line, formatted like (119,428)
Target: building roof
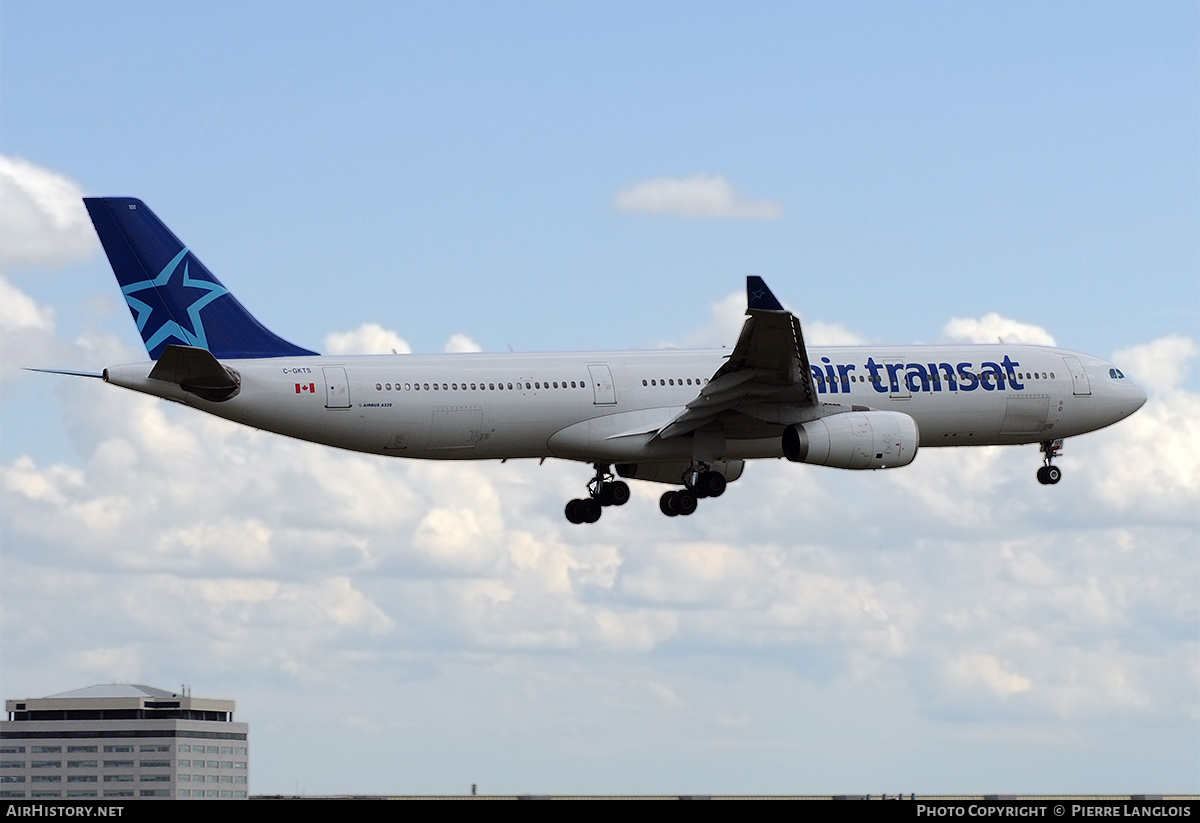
(115,690)
(120,697)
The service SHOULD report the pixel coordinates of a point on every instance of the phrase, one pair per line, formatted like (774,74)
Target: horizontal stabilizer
(195,370)
(71,372)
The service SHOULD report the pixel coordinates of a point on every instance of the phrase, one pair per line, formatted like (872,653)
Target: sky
(565,176)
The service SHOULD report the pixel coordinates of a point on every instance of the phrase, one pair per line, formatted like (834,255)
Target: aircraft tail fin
(173,298)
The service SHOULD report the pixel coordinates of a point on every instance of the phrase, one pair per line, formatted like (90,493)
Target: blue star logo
(169,328)
(758,295)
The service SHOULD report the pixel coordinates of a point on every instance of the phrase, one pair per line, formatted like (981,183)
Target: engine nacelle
(854,440)
(673,473)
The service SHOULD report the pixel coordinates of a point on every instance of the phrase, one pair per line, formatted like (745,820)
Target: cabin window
(378,387)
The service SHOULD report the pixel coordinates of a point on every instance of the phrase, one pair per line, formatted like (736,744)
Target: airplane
(688,419)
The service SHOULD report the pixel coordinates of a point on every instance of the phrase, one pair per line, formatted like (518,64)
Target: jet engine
(854,440)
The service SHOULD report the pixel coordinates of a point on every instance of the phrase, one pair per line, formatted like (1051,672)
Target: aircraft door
(897,379)
(1079,378)
(337,388)
(602,385)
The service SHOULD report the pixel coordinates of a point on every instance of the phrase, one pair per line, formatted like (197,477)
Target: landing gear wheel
(620,493)
(573,512)
(583,511)
(685,501)
(668,505)
(1049,474)
(711,484)
(614,494)
(588,510)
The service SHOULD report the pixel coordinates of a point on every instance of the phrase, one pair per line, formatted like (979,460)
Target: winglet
(759,297)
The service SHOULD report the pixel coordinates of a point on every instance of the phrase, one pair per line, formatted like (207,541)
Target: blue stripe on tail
(173,298)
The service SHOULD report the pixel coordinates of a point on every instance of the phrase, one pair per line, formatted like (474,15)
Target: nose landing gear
(603,490)
(1050,474)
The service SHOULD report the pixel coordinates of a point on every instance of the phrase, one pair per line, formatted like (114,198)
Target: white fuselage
(607,406)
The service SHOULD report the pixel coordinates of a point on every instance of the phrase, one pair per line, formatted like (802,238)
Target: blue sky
(468,169)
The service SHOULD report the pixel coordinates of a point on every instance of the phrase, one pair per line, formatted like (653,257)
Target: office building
(123,741)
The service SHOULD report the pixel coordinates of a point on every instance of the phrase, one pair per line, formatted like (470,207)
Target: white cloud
(42,218)
(26,334)
(994,328)
(273,567)
(1151,462)
(819,333)
(460,343)
(728,315)
(985,670)
(700,195)
(19,311)
(369,338)
(1161,364)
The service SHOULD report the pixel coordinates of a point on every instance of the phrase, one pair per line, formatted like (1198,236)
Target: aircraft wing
(765,380)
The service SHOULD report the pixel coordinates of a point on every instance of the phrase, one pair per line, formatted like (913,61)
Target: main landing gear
(697,485)
(603,490)
(1050,474)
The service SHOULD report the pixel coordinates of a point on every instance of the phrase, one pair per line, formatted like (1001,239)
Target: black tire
(1053,474)
(712,484)
(589,510)
(667,504)
(573,512)
(618,493)
(685,502)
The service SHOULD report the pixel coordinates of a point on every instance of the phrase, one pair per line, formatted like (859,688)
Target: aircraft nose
(1137,398)
(1129,398)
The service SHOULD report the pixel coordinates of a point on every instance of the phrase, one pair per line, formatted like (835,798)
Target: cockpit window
(1116,374)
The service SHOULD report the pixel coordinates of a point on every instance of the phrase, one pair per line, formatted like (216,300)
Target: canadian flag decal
(302,387)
